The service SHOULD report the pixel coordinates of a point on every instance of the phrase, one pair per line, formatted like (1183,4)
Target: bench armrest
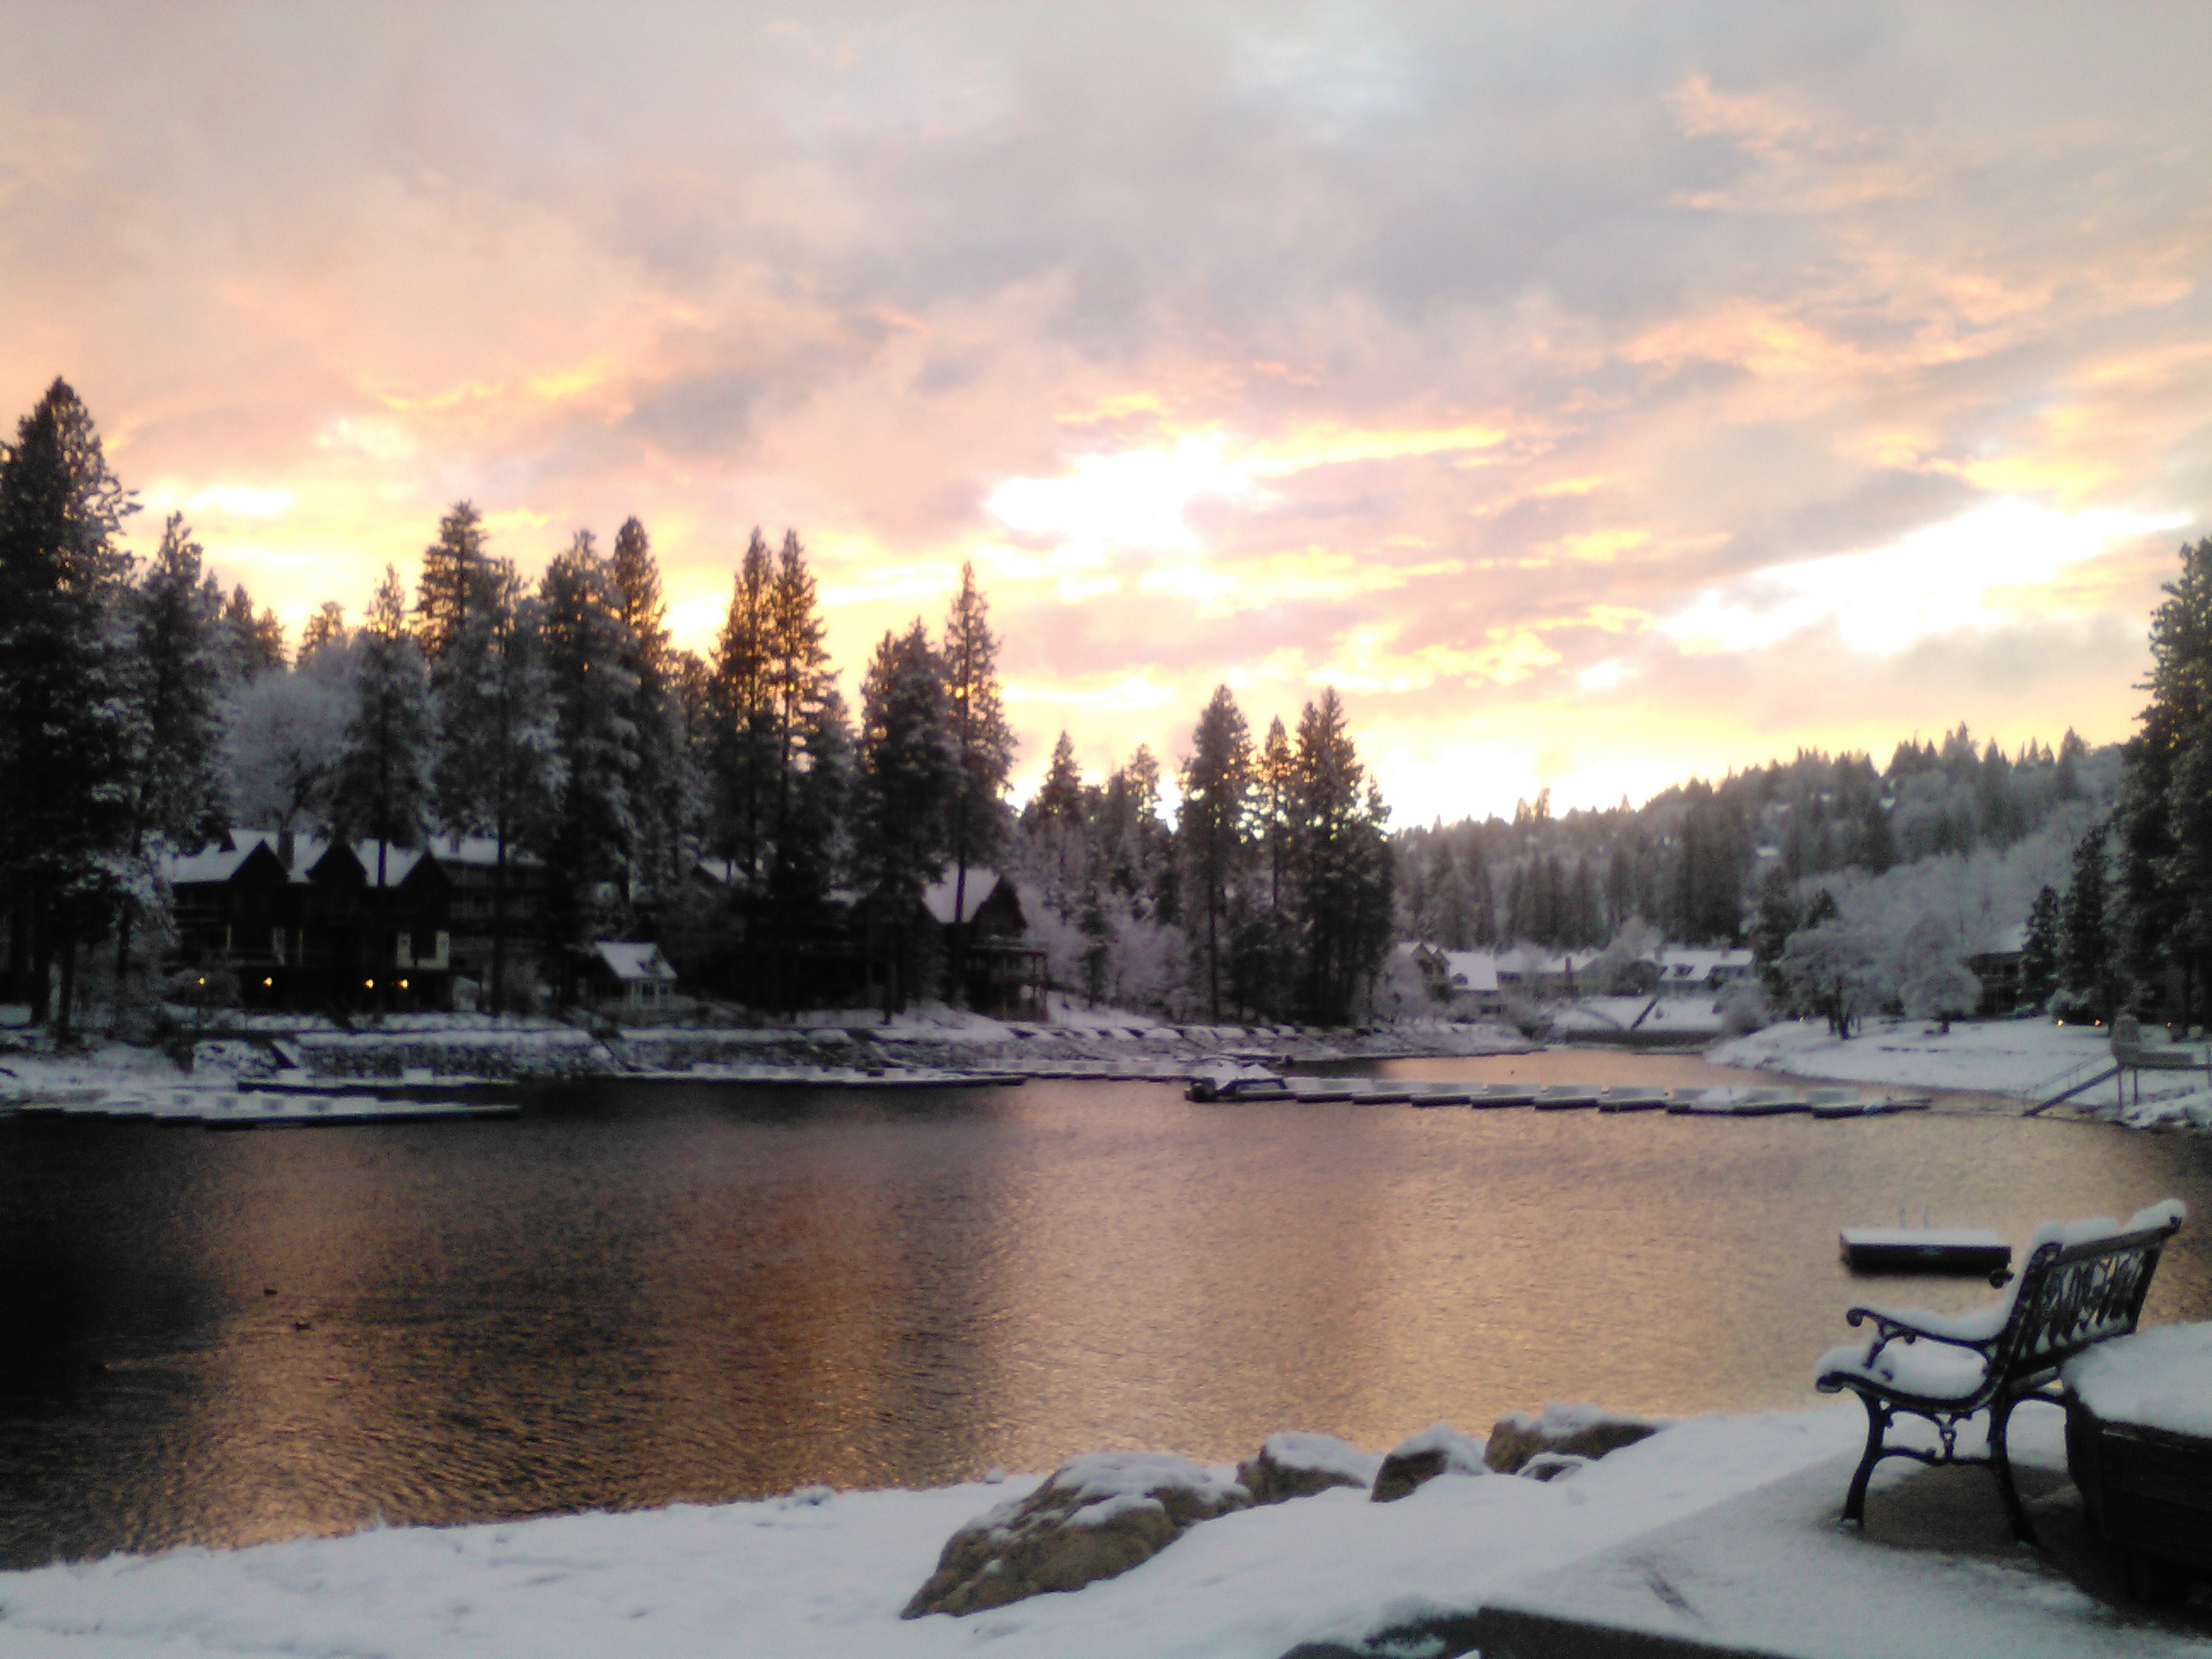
(1889,1324)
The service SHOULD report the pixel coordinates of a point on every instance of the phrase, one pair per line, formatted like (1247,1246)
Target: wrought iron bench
(2083,1283)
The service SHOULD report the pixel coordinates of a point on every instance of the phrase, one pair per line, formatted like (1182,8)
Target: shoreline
(2015,1061)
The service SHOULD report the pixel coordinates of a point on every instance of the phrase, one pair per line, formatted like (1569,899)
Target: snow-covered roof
(218,862)
(398,861)
(634,962)
(1680,964)
(213,863)
(723,873)
(481,852)
(938,895)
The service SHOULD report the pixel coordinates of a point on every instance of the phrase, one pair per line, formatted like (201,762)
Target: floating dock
(1967,1251)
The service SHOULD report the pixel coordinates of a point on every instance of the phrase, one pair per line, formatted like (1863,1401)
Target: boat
(1967,1251)
(1632,1099)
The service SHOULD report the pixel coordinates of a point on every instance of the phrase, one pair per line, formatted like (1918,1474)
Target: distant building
(1694,971)
(628,972)
(302,925)
(990,961)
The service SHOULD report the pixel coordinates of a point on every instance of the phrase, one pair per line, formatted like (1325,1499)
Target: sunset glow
(1591,406)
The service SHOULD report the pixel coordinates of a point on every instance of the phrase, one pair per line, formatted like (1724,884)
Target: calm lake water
(641,1294)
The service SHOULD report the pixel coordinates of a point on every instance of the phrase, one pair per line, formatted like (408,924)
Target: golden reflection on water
(634,1297)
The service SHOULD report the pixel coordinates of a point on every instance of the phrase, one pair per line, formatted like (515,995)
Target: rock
(1095,1517)
(1295,1465)
(1438,1450)
(1576,1431)
(1552,1466)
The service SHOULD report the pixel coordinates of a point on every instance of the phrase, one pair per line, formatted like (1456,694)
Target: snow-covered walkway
(814,1576)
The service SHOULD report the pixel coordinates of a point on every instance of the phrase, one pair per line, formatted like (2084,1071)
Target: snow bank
(2027,1057)
(827,1578)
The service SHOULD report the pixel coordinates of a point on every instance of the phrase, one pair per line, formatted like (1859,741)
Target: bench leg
(2000,1462)
(1877,1425)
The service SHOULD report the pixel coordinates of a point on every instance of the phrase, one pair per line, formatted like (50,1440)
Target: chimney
(287,848)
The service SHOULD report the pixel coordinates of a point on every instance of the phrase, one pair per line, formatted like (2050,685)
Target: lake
(637,1294)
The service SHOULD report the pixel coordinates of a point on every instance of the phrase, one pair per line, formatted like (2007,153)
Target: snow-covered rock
(1095,1517)
(1295,1465)
(1569,1430)
(1414,1461)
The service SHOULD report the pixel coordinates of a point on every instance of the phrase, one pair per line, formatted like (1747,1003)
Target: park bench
(2083,1283)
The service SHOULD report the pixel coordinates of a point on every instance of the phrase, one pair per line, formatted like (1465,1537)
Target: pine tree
(661,785)
(1054,821)
(252,645)
(178,794)
(2039,951)
(908,775)
(1213,829)
(381,788)
(499,769)
(1774,918)
(2085,947)
(743,747)
(326,627)
(177,791)
(67,723)
(592,837)
(1276,779)
(2163,822)
(982,745)
(1343,864)
(812,755)
(458,580)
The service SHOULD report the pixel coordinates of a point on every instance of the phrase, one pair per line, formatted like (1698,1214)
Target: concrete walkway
(1935,1576)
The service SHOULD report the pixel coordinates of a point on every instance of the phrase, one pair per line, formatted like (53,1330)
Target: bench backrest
(2073,1296)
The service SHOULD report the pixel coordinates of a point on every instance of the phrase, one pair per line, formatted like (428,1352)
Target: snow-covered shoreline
(2026,1060)
(434,1050)
(820,1574)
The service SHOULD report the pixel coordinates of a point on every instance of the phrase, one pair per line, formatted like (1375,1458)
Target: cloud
(1595,392)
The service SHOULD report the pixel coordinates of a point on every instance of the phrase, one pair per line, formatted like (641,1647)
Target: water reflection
(637,1296)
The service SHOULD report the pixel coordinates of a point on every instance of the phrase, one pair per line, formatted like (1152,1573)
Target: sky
(1593,394)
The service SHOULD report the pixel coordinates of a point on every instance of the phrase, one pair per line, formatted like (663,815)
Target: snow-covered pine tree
(253,645)
(177,796)
(907,777)
(1214,830)
(67,719)
(283,735)
(380,788)
(593,835)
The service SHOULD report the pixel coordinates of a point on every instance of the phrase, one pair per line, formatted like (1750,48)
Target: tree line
(2132,930)
(143,711)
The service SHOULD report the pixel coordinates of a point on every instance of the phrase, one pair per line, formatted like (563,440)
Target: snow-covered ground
(826,1575)
(2029,1059)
